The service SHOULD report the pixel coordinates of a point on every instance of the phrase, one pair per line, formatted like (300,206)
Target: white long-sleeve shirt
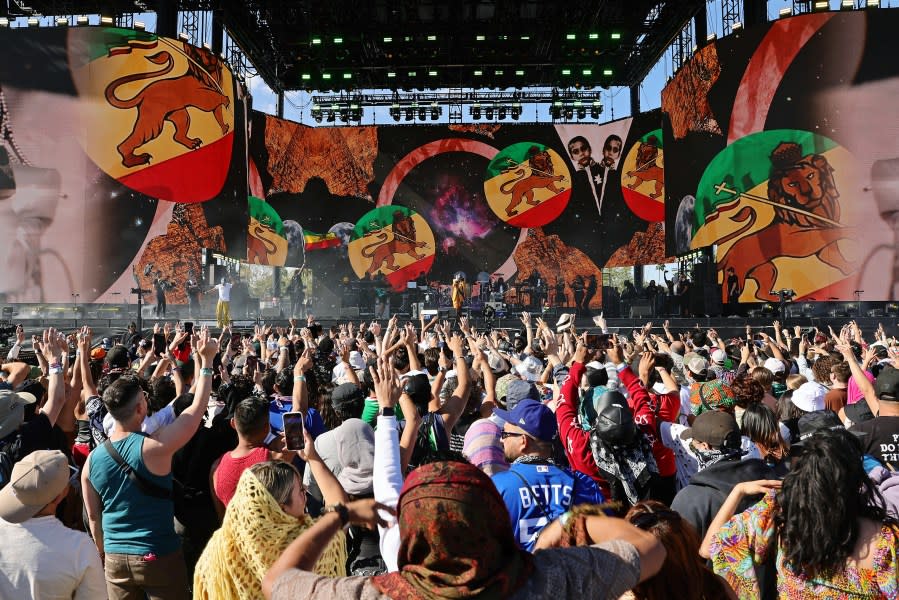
(388,482)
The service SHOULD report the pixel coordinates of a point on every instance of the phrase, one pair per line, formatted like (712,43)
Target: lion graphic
(168,100)
(798,182)
(259,247)
(542,176)
(647,170)
(403,242)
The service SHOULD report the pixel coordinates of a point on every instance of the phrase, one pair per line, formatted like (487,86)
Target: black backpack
(10,454)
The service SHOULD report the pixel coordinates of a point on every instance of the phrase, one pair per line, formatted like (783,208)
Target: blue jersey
(549,492)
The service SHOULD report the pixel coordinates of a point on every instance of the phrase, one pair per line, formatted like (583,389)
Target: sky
(616,100)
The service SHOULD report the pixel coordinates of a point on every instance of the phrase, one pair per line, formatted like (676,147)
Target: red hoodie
(648,420)
(575,439)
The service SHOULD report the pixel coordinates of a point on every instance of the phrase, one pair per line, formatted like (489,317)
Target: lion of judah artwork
(806,221)
(200,87)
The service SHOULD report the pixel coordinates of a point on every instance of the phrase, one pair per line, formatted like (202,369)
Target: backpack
(10,454)
(431,439)
(621,451)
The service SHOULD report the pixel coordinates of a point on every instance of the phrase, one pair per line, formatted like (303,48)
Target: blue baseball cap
(532,417)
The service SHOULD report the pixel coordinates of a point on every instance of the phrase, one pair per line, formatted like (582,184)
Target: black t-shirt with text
(882,439)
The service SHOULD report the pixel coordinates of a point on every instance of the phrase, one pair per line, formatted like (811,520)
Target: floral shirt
(745,541)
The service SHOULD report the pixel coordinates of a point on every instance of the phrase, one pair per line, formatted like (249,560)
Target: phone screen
(293,431)
(188,327)
(159,343)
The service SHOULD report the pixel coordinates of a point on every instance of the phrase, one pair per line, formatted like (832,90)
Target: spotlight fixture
(596,109)
(61,21)
(475,110)
(82,20)
(140,25)
(847,5)
(785,12)
(501,112)
(737,26)
(711,37)
(395,111)
(183,36)
(106,21)
(873,4)
(822,5)
(516,110)
(317,113)
(33,21)
(435,111)
(4,22)
(489,112)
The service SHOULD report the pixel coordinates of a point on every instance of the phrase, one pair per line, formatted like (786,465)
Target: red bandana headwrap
(456,538)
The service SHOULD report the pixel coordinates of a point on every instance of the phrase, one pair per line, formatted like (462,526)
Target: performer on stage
(590,292)
(297,294)
(192,288)
(458,294)
(223,307)
(160,284)
(577,288)
(732,283)
(560,299)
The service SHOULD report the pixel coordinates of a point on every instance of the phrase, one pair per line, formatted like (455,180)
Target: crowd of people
(438,461)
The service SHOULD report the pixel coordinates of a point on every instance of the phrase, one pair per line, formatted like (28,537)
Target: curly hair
(825,493)
(821,369)
(683,570)
(747,390)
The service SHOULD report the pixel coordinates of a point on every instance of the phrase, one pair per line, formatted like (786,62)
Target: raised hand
(207,346)
(304,362)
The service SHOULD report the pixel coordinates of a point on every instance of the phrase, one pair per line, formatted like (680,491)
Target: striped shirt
(483,446)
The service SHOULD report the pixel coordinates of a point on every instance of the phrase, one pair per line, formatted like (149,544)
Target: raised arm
(300,390)
(452,408)
(53,347)
(332,491)
(173,436)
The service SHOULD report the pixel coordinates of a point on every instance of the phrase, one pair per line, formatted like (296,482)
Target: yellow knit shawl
(253,535)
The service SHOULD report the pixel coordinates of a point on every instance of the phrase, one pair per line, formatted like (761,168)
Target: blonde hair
(794,381)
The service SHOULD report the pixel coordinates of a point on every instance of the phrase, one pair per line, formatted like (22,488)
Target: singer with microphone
(458,294)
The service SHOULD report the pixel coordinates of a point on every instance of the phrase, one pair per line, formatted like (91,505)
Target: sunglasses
(507,434)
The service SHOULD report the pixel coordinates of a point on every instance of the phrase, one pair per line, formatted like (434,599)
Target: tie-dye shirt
(745,541)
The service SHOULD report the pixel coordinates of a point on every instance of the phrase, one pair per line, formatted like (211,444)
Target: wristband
(57,370)
(341,510)
(206,371)
(55,365)
(299,378)
(386,411)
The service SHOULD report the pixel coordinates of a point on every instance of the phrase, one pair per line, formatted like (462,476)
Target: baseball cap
(530,368)
(346,393)
(118,358)
(502,387)
(98,353)
(859,412)
(106,344)
(12,410)
(716,428)
(886,386)
(418,388)
(519,390)
(356,360)
(533,417)
(36,481)
(820,420)
(719,356)
(695,363)
(809,396)
(774,365)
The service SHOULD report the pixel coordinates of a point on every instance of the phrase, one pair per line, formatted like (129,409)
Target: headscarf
(355,441)
(456,538)
(253,535)
(711,395)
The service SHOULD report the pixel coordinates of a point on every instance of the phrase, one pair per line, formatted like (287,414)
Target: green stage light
(524,38)
(498,72)
(594,36)
(306,76)
(519,72)
(616,36)
(391,74)
(566,71)
(326,76)
(478,73)
(338,40)
(387,40)
(411,73)
(587,72)
(480,38)
(432,73)
(316,41)
(347,75)
(432,38)
(607,72)
(571,36)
